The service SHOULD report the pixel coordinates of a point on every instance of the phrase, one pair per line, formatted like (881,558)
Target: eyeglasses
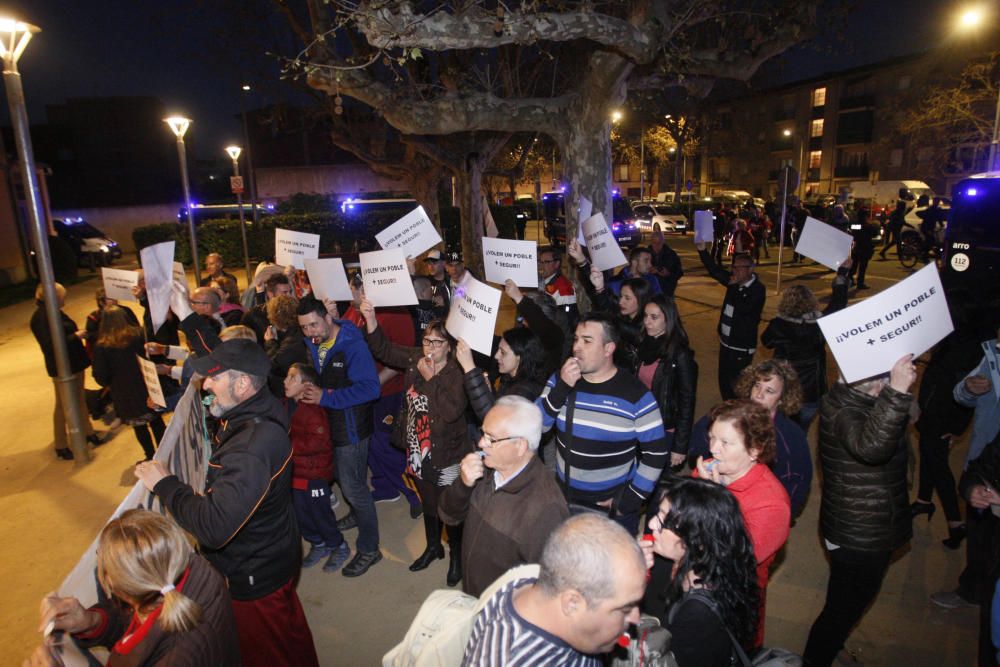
(434,343)
(200,303)
(490,442)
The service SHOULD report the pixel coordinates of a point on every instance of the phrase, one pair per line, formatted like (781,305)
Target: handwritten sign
(517,260)
(118,283)
(294,248)
(413,234)
(386,278)
(908,318)
(604,251)
(328,279)
(826,244)
(152,380)
(704,227)
(158,268)
(473,314)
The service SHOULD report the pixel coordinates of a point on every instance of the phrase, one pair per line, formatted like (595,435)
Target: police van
(972,239)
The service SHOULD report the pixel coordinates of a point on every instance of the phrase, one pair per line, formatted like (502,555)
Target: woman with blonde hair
(167,605)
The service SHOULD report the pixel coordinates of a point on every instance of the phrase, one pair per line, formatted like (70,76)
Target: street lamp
(616,116)
(788,133)
(970,20)
(245,88)
(14,37)
(234,153)
(179,126)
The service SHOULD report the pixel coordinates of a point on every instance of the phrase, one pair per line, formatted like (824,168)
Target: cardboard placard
(704,227)
(118,283)
(158,269)
(604,250)
(517,260)
(908,318)
(473,314)
(413,234)
(328,279)
(294,248)
(386,278)
(824,243)
(152,380)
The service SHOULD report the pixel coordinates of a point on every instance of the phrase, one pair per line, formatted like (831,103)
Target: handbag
(766,657)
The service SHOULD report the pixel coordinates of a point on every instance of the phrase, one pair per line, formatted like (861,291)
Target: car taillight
(615,226)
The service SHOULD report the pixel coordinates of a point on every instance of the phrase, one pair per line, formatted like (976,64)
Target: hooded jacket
(244,520)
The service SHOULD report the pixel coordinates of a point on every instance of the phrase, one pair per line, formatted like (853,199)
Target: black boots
(955,536)
(455,555)
(434,550)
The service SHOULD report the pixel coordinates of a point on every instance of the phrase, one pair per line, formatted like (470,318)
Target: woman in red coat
(741,439)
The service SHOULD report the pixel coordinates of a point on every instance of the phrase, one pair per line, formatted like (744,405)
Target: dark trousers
(978,579)
(731,363)
(892,239)
(860,266)
(145,440)
(317,522)
(935,474)
(274,631)
(386,462)
(855,580)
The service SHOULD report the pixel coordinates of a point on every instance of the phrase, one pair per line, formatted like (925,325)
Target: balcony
(857,102)
(855,171)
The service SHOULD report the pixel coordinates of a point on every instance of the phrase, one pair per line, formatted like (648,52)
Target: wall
(118,222)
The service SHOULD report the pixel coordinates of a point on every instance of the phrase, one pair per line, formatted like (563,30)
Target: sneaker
(416,511)
(360,563)
(317,552)
(387,500)
(951,600)
(334,501)
(95,440)
(348,522)
(337,558)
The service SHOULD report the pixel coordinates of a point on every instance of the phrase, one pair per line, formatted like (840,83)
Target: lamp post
(802,143)
(234,153)
(14,37)
(179,126)
(250,172)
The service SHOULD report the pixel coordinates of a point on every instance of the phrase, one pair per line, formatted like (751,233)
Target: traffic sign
(236,184)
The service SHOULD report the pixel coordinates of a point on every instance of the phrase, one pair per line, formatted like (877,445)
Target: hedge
(339,233)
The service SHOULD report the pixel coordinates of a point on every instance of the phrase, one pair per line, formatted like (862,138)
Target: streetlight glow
(970,18)
(246,86)
(178,125)
(234,152)
(787,133)
(15,37)
(616,116)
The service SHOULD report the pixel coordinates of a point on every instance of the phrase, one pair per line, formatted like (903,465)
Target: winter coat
(481,397)
(284,351)
(78,359)
(312,452)
(862,451)
(118,368)
(675,388)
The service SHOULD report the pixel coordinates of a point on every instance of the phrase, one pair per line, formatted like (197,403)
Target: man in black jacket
(244,520)
(740,317)
(865,513)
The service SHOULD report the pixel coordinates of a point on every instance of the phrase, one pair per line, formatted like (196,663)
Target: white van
(887,192)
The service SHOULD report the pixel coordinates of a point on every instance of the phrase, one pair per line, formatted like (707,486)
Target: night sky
(123,47)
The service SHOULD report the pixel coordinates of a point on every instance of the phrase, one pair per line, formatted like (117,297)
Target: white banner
(152,381)
(178,271)
(908,318)
(158,269)
(328,279)
(517,260)
(413,234)
(293,248)
(704,227)
(473,314)
(386,278)
(604,251)
(826,244)
(118,283)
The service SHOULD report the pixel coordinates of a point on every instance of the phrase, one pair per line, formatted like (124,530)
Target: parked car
(656,217)
(92,246)
(623,223)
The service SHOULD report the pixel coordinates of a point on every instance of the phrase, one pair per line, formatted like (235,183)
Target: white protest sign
(473,314)
(489,224)
(387,278)
(413,233)
(604,251)
(908,318)
(704,227)
(826,244)
(293,248)
(328,279)
(158,269)
(517,260)
(118,283)
(152,380)
(178,271)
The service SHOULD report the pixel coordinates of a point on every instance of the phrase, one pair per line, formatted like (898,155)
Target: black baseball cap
(453,256)
(238,354)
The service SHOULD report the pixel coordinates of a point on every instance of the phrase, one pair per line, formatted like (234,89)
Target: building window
(719,169)
(819,97)
(816,128)
(623,172)
(814,159)
(852,157)
(896,157)
(924,155)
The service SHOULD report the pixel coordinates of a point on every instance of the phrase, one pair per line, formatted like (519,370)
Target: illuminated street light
(616,116)
(179,126)
(246,143)
(787,133)
(234,154)
(14,37)
(969,21)
(972,17)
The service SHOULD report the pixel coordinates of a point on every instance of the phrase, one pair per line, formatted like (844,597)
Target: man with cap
(244,519)
(457,273)
(440,292)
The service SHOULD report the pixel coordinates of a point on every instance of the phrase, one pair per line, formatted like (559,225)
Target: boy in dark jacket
(312,460)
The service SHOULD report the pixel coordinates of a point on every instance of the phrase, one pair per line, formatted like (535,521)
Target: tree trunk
(469,184)
(678,175)
(424,186)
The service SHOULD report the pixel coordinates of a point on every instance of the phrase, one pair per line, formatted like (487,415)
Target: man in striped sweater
(610,444)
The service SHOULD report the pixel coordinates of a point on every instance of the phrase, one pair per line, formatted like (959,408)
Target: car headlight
(105,248)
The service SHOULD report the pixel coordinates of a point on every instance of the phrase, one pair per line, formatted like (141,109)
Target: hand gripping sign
(908,318)
(413,233)
(604,251)
(386,278)
(517,260)
(473,314)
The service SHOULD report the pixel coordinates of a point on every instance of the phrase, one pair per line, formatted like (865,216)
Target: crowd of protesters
(575,447)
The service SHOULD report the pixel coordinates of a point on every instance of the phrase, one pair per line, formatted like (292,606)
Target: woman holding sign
(119,342)
(431,427)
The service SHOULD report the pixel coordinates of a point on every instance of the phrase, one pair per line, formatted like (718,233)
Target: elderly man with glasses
(508,499)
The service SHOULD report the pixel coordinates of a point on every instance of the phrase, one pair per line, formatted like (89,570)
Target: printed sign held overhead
(473,315)
(294,248)
(413,234)
(517,260)
(158,268)
(704,227)
(908,318)
(328,279)
(826,244)
(604,251)
(387,278)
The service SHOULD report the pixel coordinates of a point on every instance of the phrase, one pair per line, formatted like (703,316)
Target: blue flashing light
(615,191)
(270,207)
(972,192)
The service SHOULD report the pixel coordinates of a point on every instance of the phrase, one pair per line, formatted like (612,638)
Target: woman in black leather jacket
(665,364)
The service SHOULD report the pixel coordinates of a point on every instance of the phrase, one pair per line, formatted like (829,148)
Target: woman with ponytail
(166,606)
